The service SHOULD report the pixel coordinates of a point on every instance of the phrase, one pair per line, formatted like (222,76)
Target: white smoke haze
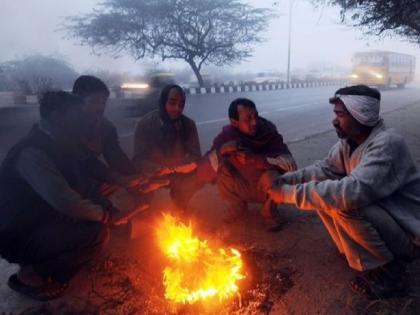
(319,41)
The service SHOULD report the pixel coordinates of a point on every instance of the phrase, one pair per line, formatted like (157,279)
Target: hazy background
(318,39)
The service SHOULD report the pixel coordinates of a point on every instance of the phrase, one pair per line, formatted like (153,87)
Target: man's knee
(375,215)
(225,181)
(368,213)
(225,175)
(92,238)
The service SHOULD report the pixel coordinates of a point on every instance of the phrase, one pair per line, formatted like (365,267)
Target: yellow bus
(382,68)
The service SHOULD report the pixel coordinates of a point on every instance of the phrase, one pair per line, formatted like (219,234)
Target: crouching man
(166,145)
(102,138)
(240,154)
(51,221)
(366,192)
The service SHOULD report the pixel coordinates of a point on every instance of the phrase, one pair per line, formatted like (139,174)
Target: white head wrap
(365,109)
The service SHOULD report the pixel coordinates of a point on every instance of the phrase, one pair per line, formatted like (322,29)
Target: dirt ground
(295,271)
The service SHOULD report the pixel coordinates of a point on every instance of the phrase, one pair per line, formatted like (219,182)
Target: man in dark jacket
(240,154)
(166,144)
(102,135)
(52,221)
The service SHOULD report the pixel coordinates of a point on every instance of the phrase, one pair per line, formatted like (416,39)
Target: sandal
(48,291)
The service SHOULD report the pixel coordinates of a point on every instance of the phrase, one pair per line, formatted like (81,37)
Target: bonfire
(196,270)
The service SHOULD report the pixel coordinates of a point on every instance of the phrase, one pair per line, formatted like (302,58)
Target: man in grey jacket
(366,192)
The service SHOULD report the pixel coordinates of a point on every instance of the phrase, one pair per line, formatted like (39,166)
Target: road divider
(261,87)
(10,99)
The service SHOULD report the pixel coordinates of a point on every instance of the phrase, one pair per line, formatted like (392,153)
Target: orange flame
(196,272)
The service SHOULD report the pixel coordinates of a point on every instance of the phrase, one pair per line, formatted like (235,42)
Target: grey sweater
(379,171)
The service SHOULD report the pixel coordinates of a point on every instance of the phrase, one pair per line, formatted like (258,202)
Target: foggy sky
(33,26)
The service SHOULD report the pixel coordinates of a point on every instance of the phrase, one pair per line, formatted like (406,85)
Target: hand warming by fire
(196,270)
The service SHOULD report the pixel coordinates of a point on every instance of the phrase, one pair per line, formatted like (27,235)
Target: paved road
(298,113)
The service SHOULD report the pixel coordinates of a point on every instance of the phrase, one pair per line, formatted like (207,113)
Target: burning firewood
(197,270)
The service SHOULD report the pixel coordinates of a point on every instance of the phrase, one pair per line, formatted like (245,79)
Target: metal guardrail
(261,87)
(10,99)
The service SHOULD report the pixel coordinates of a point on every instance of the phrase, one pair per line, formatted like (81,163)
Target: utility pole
(289,47)
(290,41)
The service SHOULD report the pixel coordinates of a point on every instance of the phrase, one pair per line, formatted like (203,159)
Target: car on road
(144,96)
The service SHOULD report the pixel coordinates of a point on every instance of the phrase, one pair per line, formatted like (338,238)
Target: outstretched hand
(180,169)
(275,194)
(287,163)
(267,179)
(163,172)
(129,181)
(122,217)
(186,168)
(153,185)
(137,180)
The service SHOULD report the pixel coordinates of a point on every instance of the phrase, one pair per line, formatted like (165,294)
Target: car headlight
(135,86)
(354,76)
(378,76)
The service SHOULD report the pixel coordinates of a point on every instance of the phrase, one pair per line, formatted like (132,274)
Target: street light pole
(290,42)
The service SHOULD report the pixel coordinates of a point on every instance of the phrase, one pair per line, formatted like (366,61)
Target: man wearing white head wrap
(366,192)
(365,109)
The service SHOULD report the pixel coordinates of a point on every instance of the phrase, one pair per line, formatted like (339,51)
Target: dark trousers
(237,191)
(59,248)
(183,187)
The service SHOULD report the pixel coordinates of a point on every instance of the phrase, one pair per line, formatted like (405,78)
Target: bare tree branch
(382,17)
(220,32)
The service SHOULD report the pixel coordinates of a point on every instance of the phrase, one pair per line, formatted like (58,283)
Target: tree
(36,73)
(200,32)
(379,17)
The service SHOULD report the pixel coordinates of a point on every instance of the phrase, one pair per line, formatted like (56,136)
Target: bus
(382,68)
